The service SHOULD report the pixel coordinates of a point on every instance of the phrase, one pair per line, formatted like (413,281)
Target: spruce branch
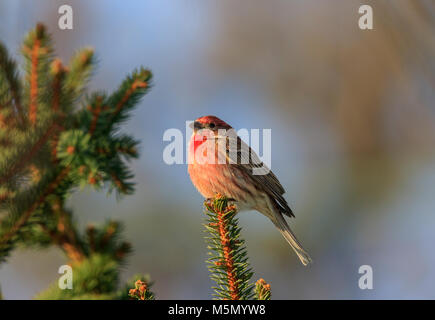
(5,239)
(126,97)
(49,146)
(58,71)
(30,154)
(79,71)
(38,53)
(95,278)
(10,85)
(107,239)
(262,290)
(138,287)
(141,291)
(228,262)
(62,231)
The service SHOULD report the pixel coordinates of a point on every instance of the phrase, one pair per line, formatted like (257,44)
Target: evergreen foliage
(53,139)
(142,290)
(262,290)
(228,262)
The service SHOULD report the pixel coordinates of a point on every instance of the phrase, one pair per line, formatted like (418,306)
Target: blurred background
(352,115)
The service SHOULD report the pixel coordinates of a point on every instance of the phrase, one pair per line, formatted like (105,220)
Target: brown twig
(136,84)
(33,106)
(96,113)
(229,261)
(67,242)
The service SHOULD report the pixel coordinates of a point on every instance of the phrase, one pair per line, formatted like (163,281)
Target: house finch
(221,163)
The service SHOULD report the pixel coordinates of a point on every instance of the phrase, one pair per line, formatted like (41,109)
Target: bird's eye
(212,125)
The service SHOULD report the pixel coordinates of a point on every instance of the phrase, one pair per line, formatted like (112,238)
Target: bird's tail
(288,234)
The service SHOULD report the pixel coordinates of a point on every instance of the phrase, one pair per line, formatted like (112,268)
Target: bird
(220,162)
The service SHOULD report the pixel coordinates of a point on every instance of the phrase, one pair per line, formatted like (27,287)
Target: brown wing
(255,169)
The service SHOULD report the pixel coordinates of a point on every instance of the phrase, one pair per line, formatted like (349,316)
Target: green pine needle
(228,263)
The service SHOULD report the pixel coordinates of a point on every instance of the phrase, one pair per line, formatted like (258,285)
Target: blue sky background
(348,214)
